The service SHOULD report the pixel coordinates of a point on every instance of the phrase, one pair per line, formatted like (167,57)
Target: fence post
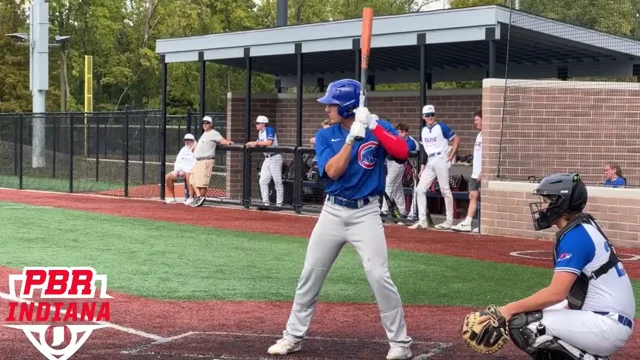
(16,123)
(97,148)
(55,123)
(189,125)
(20,135)
(144,145)
(71,153)
(126,151)
(297,181)
(246,182)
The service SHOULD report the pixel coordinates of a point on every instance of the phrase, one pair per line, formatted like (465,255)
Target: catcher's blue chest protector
(578,291)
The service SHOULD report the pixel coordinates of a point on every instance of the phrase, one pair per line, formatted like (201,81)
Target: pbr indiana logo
(57,308)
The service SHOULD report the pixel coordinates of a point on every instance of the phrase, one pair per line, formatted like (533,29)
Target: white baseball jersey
(435,139)
(477,157)
(584,249)
(268,133)
(185,160)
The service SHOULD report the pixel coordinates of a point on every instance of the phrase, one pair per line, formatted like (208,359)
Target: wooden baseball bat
(365,49)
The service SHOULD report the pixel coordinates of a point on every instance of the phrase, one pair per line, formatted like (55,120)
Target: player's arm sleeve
(575,251)
(393,144)
(324,152)
(447,132)
(271,133)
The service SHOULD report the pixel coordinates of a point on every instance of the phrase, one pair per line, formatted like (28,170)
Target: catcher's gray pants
(393,186)
(362,228)
(272,169)
(437,167)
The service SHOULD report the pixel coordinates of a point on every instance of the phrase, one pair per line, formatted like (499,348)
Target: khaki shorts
(202,173)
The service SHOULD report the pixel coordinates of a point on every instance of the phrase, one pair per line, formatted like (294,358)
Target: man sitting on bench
(181,169)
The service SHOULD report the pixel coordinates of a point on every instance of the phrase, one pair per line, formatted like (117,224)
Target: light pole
(38,42)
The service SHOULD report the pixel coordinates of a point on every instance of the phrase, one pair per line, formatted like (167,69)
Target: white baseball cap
(207,119)
(262,120)
(428,109)
(189,137)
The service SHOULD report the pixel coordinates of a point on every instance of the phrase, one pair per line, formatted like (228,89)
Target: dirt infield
(150,329)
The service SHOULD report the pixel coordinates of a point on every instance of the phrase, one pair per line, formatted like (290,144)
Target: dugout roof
(461,44)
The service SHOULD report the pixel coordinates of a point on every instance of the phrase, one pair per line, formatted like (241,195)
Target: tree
(14,59)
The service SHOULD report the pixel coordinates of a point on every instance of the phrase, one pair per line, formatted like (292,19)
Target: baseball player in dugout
(205,154)
(476,175)
(395,171)
(351,155)
(587,311)
(436,136)
(272,165)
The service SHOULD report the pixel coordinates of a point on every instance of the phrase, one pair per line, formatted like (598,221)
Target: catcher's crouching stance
(595,320)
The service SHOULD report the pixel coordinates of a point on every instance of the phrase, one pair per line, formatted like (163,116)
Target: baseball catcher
(587,311)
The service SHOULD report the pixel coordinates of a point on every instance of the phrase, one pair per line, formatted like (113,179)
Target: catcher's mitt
(486,337)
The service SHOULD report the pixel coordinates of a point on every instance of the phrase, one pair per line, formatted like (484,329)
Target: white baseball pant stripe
(393,186)
(271,169)
(596,334)
(437,167)
(362,228)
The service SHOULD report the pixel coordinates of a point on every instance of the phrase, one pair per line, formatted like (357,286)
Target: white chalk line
(106,323)
(437,348)
(158,340)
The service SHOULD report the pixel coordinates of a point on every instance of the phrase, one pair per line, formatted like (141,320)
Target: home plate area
(222,345)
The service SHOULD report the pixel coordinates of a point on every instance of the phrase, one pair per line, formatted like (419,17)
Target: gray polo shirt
(207,144)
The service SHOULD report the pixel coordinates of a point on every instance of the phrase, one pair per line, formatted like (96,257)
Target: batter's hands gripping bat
(393,207)
(365,49)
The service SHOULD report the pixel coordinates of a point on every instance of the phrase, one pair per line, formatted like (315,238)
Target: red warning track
(146,328)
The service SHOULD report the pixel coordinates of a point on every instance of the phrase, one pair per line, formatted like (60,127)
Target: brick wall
(505,204)
(453,107)
(263,104)
(555,126)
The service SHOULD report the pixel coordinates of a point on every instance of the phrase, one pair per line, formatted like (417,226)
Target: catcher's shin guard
(520,333)
(539,345)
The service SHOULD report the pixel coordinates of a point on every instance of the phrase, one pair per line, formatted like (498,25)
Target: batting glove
(366,118)
(356,133)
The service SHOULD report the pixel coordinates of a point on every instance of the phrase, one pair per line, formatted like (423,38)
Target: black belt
(621,319)
(270,155)
(434,154)
(348,203)
(205,158)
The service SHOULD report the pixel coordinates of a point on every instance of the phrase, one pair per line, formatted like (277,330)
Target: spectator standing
(181,170)
(476,175)
(205,154)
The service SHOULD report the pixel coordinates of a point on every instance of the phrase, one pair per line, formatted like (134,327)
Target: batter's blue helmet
(345,93)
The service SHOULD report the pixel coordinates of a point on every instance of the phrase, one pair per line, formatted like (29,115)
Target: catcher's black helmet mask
(564,193)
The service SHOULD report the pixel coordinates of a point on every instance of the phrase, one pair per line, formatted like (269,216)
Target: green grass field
(56,184)
(183,262)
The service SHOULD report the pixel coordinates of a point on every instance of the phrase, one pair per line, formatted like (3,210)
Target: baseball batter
(350,155)
(435,140)
(395,170)
(272,165)
(596,319)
